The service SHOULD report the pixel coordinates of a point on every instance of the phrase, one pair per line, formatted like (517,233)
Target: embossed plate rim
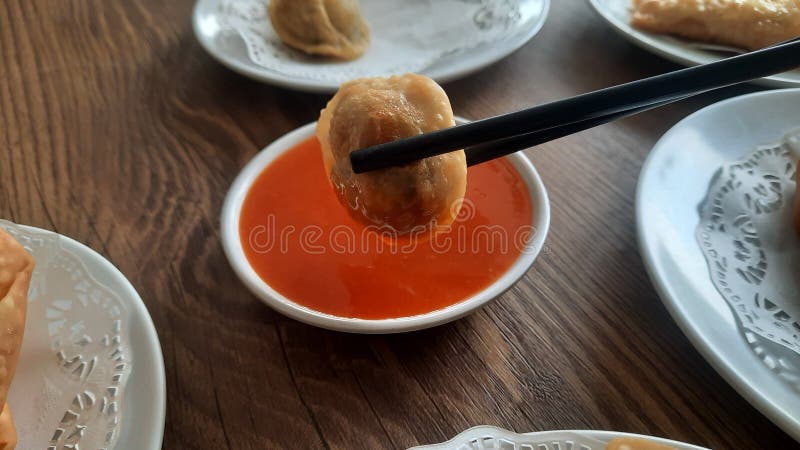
(482,431)
(662,225)
(447,69)
(145,348)
(676,50)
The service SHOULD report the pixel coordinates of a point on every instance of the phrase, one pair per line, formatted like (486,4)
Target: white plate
(431,43)
(77,297)
(673,182)
(485,437)
(617,14)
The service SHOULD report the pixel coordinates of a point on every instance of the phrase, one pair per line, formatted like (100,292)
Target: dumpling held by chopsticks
(371,111)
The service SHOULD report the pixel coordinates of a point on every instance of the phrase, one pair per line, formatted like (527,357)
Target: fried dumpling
(8,432)
(371,111)
(746,24)
(332,28)
(636,444)
(16,267)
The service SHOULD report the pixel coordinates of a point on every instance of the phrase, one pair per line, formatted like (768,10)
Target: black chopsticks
(497,136)
(480,153)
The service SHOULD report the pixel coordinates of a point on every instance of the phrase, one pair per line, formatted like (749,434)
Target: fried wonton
(636,444)
(332,28)
(746,24)
(371,111)
(8,432)
(16,267)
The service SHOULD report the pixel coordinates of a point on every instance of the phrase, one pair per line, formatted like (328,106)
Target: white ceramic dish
(486,437)
(396,45)
(77,296)
(673,182)
(233,250)
(617,14)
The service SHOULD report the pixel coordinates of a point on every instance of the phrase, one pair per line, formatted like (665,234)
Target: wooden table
(118,130)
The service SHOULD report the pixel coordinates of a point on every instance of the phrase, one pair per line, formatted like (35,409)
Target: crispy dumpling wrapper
(8,433)
(16,268)
(332,28)
(746,24)
(371,111)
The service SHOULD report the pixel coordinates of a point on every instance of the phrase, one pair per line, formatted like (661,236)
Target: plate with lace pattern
(91,372)
(487,437)
(714,210)
(617,13)
(407,36)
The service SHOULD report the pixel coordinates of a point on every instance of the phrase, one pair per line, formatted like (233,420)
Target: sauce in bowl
(302,242)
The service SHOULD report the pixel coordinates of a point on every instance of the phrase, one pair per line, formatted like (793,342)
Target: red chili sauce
(303,243)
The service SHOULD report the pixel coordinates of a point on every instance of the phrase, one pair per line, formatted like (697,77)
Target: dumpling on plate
(636,444)
(332,28)
(16,267)
(371,111)
(746,24)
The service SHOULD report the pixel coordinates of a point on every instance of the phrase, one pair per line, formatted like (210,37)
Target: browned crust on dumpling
(332,28)
(371,111)
(746,24)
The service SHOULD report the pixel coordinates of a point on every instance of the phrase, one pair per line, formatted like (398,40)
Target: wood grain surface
(118,130)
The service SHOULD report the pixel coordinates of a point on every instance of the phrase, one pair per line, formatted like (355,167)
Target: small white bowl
(232,244)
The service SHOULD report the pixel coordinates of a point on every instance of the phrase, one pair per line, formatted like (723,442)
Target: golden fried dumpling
(8,433)
(636,444)
(371,111)
(747,24)
(321,27)
(16,267)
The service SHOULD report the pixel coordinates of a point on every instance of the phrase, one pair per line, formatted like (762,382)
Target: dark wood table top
(118,130)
